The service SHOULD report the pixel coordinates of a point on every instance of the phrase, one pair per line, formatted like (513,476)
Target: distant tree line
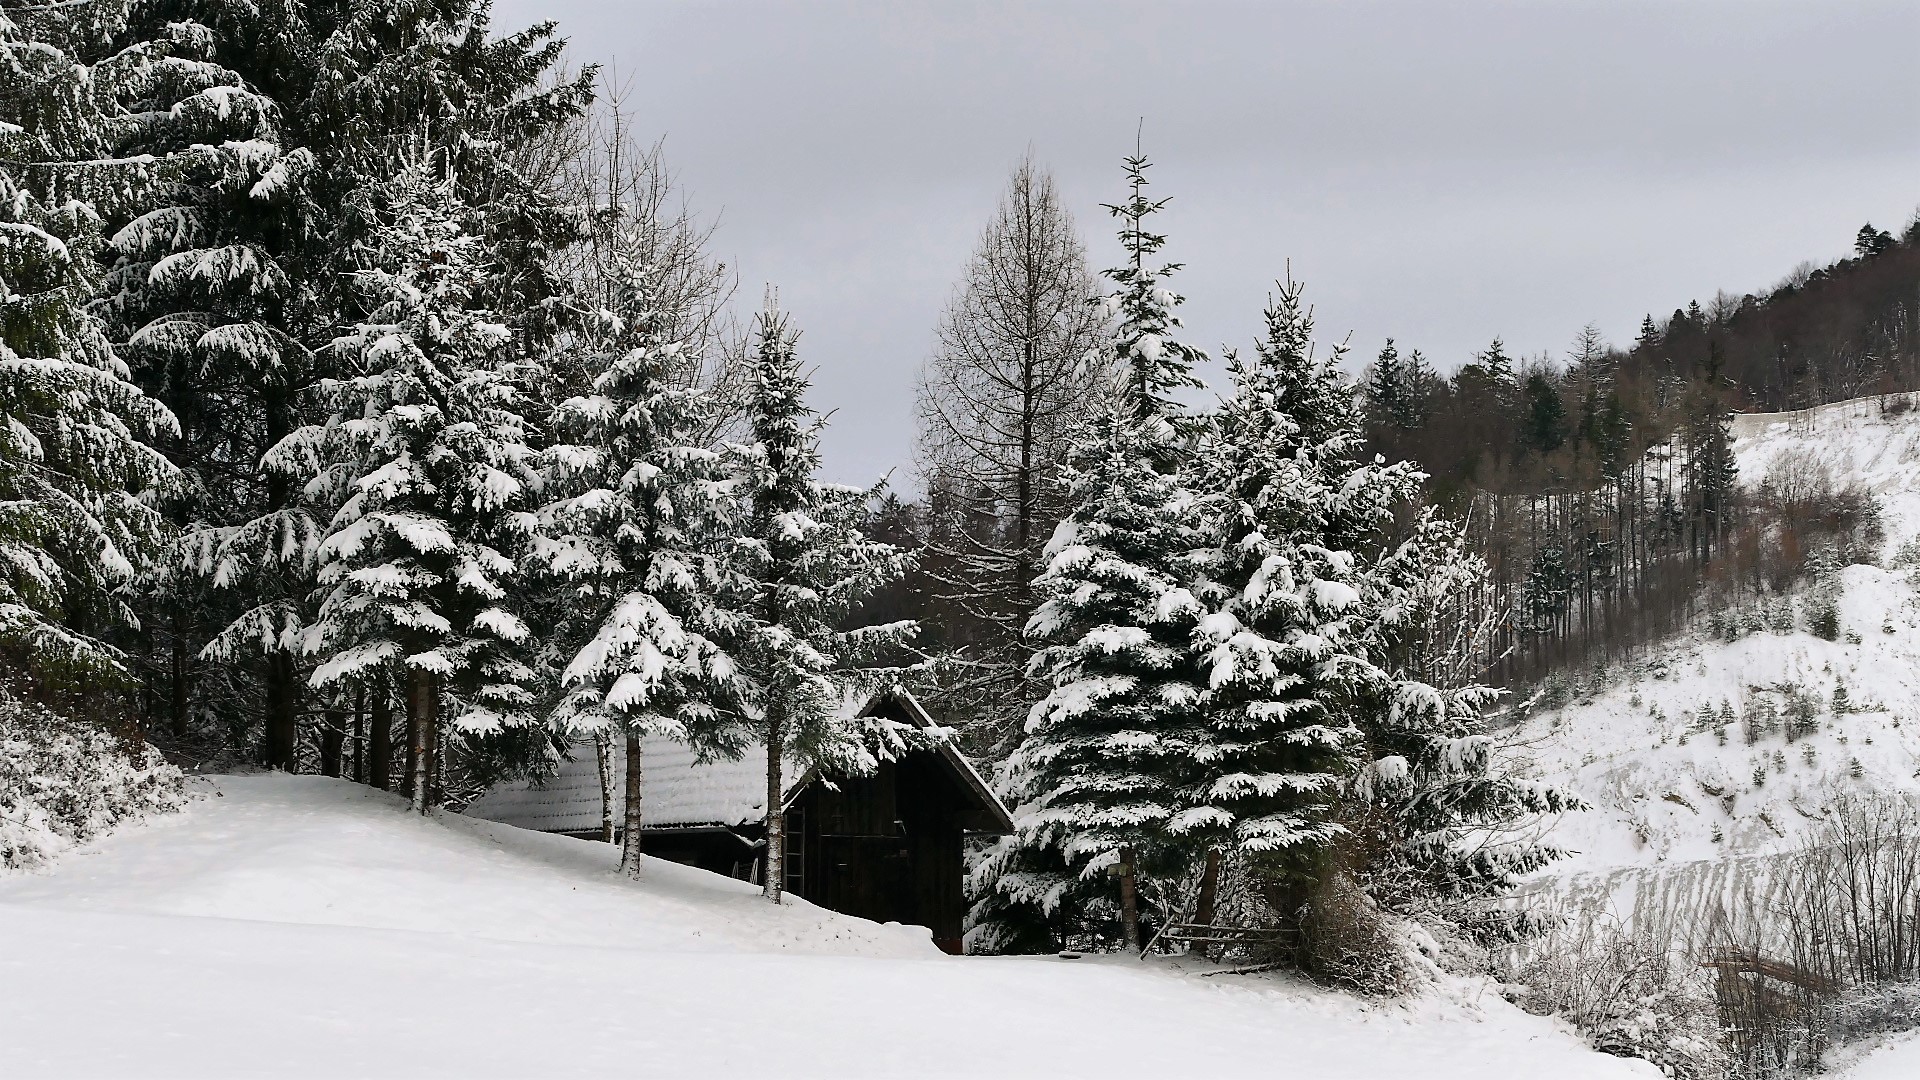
(1601,487)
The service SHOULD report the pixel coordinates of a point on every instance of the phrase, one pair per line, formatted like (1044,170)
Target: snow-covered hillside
(1684,799)
(297,926)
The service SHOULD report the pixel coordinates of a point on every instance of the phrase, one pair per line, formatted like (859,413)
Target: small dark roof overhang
(984,812)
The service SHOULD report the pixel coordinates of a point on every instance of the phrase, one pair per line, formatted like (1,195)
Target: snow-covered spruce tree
(636,528)
(1445,826)
(283,121)
(1283,638)
(212,303)
(426,454)
(1099,774)
(808,565)
(78,481)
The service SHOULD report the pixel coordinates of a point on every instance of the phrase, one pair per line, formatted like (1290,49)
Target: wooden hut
(888,847)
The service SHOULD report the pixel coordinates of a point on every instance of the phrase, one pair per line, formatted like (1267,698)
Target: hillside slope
(1676,806)
(296,926)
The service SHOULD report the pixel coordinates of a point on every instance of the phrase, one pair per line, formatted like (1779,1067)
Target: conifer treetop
(1142,349)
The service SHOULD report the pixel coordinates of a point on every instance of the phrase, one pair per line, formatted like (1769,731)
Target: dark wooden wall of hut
(886,847)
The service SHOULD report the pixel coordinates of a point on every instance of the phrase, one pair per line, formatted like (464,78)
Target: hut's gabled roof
(683,793)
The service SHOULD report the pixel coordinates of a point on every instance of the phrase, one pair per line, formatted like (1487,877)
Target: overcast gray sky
(1438,172)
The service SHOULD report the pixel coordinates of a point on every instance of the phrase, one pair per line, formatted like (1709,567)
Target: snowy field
(297,926)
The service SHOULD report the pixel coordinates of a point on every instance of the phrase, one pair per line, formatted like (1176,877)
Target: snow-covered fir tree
(209,295)
(636,529)
(281,124)
(1098,774)
(427,456)
(809,565)
(1283,635)
(78,483)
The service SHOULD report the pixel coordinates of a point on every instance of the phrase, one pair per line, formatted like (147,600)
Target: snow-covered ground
(297,926)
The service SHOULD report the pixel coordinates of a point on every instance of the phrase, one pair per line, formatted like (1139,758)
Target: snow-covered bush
(1632,994)
(63,783)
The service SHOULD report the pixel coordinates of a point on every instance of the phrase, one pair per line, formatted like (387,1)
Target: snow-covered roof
(681,792)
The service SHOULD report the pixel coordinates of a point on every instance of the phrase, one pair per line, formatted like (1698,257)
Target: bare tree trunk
(603,759)
(179,665)
(1129,903)
(422,701)
(332,732)
(776,874)
(283,713)
(360,735)
(380,745)
(632,819)
(411,770)
(1209,896)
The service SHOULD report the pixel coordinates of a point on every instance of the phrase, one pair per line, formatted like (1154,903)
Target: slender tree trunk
(1209,896)
(1129,903)
(603,758)
(283,691)
(283,712)
(422,698)
(633,817)
(332,733)
(179,666)
(776,875)
(380,745)
(436,744)
(412,768)
(360,735)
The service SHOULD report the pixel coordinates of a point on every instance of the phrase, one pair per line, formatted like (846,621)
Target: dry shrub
(1318,921)
(1345,940)
(1803,499)
(1631,993)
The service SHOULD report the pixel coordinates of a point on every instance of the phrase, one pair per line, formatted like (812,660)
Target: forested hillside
(1599,484)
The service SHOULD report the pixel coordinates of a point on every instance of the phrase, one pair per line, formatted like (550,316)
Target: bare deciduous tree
(999,403)
(638,217)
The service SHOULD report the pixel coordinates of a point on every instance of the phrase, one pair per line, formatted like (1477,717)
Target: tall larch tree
(1001,401)
(809,565)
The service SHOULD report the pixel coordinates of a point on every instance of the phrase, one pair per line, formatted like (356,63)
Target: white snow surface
(1889,1057)
(298,926)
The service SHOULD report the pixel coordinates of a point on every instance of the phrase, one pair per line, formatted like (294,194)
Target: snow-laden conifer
(809,565)
(1099,772)
(1283,638)
(426,453)
(636,530)
(78,480)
